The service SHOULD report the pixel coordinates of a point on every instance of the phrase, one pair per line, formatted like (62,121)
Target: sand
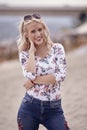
(74,91)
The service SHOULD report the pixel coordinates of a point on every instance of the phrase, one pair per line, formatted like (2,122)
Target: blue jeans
(33,112)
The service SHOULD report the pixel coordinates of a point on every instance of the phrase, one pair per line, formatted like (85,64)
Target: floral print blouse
(54,63)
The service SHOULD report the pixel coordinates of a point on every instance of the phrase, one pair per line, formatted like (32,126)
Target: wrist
(31,51)
(33,82)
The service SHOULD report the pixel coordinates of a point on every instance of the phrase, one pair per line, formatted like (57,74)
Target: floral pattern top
(54,63)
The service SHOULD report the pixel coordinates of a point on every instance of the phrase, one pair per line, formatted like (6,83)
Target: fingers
(26,87)
(32,47)
(30,41)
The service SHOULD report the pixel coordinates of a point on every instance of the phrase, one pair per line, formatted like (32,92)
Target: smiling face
(35,32)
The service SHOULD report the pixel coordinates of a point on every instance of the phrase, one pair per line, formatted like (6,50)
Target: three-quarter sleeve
(60,61)
(23,57)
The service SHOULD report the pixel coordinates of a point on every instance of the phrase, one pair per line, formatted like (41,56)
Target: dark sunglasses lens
(37,16)
(27,17)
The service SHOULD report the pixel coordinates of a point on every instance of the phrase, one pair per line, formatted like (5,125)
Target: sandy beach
(74,91)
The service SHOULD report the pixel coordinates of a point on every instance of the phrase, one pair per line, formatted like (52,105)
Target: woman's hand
(32,47)
(28,84)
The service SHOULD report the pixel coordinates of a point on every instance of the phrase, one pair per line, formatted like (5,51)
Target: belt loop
(41,103)
(42,109)
(31,99)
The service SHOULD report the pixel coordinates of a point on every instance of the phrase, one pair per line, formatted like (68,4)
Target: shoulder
(58,46)
(23,54)
(58,49)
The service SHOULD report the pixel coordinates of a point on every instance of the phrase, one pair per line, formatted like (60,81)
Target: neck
(41,50)
(39,47)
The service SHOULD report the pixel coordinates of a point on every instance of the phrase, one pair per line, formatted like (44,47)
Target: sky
(44,2)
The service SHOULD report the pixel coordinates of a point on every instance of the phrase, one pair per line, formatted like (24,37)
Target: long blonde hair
(23,43)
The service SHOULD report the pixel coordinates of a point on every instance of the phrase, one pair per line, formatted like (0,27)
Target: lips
(38,39)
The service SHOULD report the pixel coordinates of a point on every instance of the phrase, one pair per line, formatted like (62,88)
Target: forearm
(30,65)
(45,79)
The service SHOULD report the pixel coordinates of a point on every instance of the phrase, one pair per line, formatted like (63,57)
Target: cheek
(43,33)
(30,36)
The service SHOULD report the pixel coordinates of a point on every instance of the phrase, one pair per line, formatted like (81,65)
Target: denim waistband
(31,99)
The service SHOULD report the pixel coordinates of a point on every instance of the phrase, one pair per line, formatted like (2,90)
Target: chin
(39,43)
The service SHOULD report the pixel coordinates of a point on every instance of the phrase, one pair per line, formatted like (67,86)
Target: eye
(33,31)
(40,29)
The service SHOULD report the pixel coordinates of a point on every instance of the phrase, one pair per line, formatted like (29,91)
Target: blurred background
(67,23)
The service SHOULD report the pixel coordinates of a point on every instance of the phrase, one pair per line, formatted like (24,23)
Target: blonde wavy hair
(23,42)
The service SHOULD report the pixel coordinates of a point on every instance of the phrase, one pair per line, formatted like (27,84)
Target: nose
(38,33)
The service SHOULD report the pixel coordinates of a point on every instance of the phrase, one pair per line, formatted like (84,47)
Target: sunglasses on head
(29,17)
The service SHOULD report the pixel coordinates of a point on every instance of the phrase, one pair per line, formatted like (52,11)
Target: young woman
(44,67)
